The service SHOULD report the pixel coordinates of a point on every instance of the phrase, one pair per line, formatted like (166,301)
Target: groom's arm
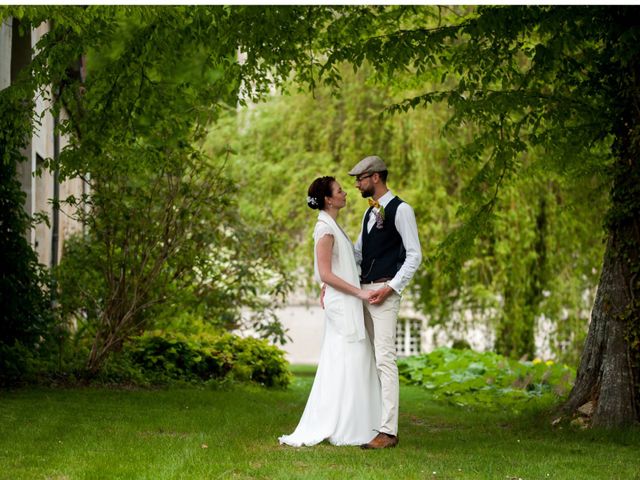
(408,229)
(357,249)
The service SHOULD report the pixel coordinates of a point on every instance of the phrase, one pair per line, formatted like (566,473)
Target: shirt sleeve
(357,247)
(408,229)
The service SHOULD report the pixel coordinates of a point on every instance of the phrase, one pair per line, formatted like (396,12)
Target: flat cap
(371,164)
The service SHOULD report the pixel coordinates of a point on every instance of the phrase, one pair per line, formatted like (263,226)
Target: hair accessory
(312,201)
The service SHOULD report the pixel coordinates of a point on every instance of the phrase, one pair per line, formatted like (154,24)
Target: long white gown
(344,405)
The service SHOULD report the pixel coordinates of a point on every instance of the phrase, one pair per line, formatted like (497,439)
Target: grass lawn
(195,433)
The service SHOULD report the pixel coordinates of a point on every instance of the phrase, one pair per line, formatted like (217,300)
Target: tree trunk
(610,364)
(606,372)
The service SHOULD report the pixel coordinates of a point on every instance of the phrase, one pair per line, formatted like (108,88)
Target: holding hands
(374,297)
(379,296)
(366,295)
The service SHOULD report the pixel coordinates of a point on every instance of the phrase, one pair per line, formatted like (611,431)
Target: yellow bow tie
(374,203)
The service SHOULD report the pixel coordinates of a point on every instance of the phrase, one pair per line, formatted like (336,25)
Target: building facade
(40,185)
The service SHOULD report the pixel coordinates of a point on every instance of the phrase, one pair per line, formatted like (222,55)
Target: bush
(15,364)
(27,364)
(158,358)
(25,303)
(469,378)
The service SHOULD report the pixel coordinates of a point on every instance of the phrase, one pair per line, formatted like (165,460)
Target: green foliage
(17,363)
(81,287)
(160,214)
(538,255)
(26,312)
(540,89)
(531,98)
(158,357)
(487,380)
(224,270)
(505,201)
(530,136)
(162,226)
(26,318)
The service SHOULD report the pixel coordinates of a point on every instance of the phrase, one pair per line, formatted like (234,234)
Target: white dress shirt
(407,227)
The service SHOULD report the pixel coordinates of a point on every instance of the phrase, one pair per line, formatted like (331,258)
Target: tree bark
(606,373)
(610,365)
(610,361)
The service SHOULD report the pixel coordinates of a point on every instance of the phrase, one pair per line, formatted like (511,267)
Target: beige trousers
(380,321)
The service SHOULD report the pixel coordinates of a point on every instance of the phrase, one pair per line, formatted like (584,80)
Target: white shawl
(351,326)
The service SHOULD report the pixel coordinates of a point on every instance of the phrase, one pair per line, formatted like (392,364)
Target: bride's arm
(323,251)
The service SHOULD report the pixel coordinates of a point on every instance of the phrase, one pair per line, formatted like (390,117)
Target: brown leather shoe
(382,440)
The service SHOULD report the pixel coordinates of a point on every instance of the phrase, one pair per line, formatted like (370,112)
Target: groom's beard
(367,193)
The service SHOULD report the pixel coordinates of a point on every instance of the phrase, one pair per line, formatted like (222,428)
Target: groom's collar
(386,198)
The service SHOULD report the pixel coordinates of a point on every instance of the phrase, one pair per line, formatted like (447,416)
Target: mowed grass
(191,433)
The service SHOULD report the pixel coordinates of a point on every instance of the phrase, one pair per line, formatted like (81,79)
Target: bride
(344,405)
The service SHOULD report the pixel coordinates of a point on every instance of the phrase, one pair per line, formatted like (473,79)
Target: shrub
(15,364)
(25,303)
(157,357)
(27,364)
(469,378)
(260,362)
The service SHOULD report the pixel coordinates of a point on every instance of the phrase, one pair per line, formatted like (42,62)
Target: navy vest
(383,252)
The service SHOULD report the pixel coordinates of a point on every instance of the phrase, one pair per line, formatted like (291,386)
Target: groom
(388,252)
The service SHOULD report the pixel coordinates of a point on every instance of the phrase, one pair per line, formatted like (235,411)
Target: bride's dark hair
(321,187)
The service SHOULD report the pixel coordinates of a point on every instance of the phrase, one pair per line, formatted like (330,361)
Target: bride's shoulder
(321,229)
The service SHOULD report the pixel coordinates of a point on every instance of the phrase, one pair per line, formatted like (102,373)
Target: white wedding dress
(344,405)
